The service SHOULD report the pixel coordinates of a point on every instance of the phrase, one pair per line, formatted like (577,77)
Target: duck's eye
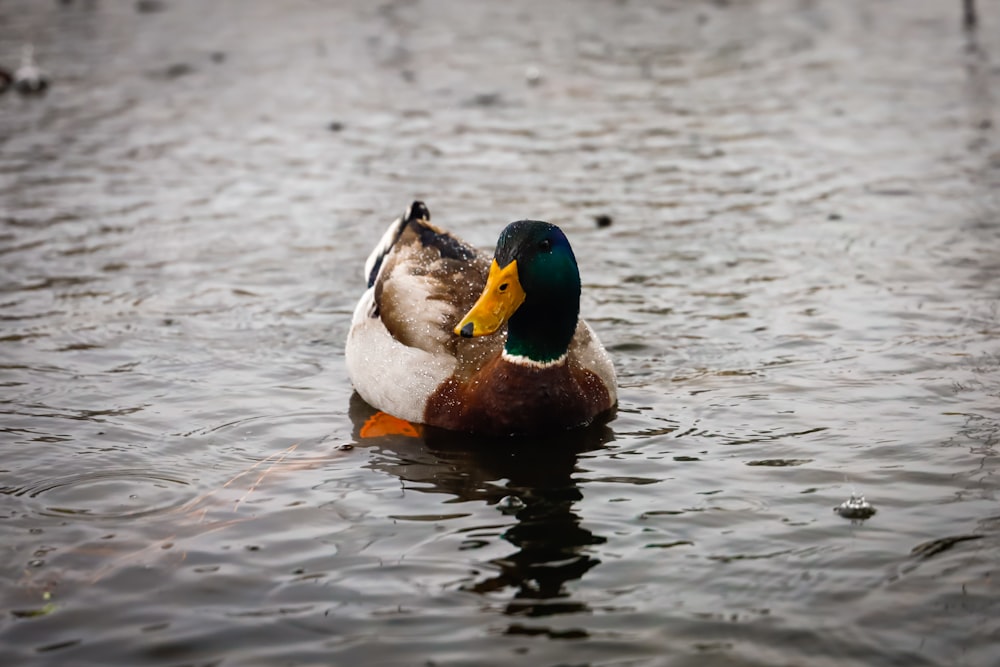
(503,288)
(545,245)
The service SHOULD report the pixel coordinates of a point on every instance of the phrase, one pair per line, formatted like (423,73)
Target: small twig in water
(264,474)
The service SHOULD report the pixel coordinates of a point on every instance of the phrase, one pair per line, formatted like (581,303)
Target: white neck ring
(528,361)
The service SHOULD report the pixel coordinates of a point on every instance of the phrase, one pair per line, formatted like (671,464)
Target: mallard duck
(448,337)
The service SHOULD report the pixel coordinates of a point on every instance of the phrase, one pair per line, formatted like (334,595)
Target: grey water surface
(800,288)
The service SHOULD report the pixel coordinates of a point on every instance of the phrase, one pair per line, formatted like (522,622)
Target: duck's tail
(416,211)
(418,217)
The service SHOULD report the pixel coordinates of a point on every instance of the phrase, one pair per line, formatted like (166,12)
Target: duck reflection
(533,477)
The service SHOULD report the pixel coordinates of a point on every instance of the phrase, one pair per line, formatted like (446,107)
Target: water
(800,288)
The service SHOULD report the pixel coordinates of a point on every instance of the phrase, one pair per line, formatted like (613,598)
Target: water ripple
(104,495)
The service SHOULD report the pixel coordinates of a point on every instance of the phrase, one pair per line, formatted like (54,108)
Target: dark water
(800,288)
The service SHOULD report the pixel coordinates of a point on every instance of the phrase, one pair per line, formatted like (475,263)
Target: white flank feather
(386,373)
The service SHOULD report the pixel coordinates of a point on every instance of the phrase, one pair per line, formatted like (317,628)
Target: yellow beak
(500,298)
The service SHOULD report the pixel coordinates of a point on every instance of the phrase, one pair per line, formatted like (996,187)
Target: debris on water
(149,6)
(855,507)
(533,75)
(29,79)
(603,220)
(44,610)
(177,70)
(485,100)
(510,505)
(335,126)
(969,18)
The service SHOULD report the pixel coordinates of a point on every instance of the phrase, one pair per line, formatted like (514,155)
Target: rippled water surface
(800,289)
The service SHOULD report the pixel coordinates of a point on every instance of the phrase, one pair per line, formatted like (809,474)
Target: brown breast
(506,398)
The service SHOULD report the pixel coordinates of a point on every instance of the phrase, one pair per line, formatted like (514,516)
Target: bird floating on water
(449,337)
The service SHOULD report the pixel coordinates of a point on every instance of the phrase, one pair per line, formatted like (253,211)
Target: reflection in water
(977,93)
(551,545)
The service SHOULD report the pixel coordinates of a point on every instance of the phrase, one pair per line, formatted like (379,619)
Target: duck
(447,336)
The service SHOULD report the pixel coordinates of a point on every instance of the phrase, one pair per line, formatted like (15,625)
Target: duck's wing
(424,280)
(586,351)
(421,282)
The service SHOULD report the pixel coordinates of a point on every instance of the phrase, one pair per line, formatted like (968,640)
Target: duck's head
(534,284)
